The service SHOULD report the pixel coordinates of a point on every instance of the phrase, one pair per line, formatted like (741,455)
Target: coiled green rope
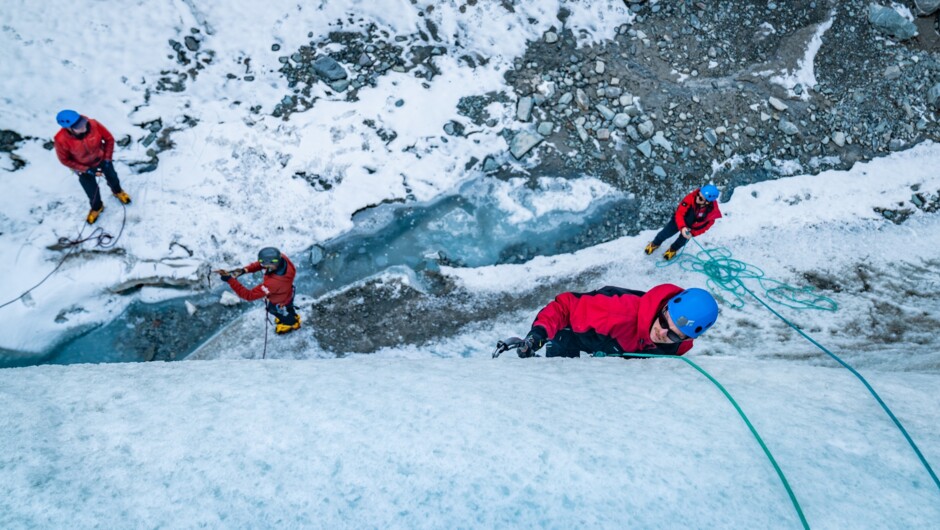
(747,422)
(727,273)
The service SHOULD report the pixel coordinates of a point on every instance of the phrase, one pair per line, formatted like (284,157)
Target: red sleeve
(108,141)
(255,293)
(65,156)
(556,315)
(254,266)
(688,201)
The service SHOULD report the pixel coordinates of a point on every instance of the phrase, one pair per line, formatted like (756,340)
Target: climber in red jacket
(697,212)
(277,287)
(614,321)
(86,147)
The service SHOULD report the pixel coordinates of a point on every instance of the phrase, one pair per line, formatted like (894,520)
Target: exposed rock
(660,140)
(890,22)
(523,142)
(927,7)
(710,137)
(788,127)
(524,109)
(838,138)
(777,104)
(329,69)
(581,99)
(892,72)
(933,96)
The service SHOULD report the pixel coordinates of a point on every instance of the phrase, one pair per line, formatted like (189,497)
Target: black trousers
(90,183)
(565,344)
(668,231)
(285,314)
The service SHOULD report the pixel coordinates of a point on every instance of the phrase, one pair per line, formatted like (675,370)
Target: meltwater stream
(468,229)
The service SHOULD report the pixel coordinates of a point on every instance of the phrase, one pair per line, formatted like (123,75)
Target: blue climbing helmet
(710,192)
(693,311)
(67,118)
(269,256)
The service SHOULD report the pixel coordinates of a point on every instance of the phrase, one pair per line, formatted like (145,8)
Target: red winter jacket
(697,218)
(611,319)
(85,152)
(278,288)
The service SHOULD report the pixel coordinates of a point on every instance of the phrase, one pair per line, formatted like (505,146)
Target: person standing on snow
(277,287)
(86,147)
(697,212)
(613,320)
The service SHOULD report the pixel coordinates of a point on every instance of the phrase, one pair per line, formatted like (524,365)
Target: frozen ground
(461,443)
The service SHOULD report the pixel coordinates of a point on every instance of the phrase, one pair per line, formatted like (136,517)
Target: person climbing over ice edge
(277,287)
(613,320)
(697,212)
(86,147)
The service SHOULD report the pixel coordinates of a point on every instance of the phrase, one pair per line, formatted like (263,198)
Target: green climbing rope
(737,407)
(726,273)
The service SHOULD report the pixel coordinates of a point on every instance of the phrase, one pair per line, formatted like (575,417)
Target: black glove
(238,272)
(225,276)
(532,343)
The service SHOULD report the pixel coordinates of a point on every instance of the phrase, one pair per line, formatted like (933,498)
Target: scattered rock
(523,142)
(892,72)
(838,138)
(524,109)
(788,127)
(777,104)
(933,96)
(329,69)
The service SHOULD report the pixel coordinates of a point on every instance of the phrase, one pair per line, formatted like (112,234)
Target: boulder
(523,142)
(933,96)
(328,69)
(890,22)
(524,109)
(926,7)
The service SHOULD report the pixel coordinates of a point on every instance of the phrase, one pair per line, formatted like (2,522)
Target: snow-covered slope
(367,442)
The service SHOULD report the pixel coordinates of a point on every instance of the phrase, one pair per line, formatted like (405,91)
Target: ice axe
(506,345)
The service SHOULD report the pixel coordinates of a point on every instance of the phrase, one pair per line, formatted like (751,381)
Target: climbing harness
(102,239)
(727,274)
